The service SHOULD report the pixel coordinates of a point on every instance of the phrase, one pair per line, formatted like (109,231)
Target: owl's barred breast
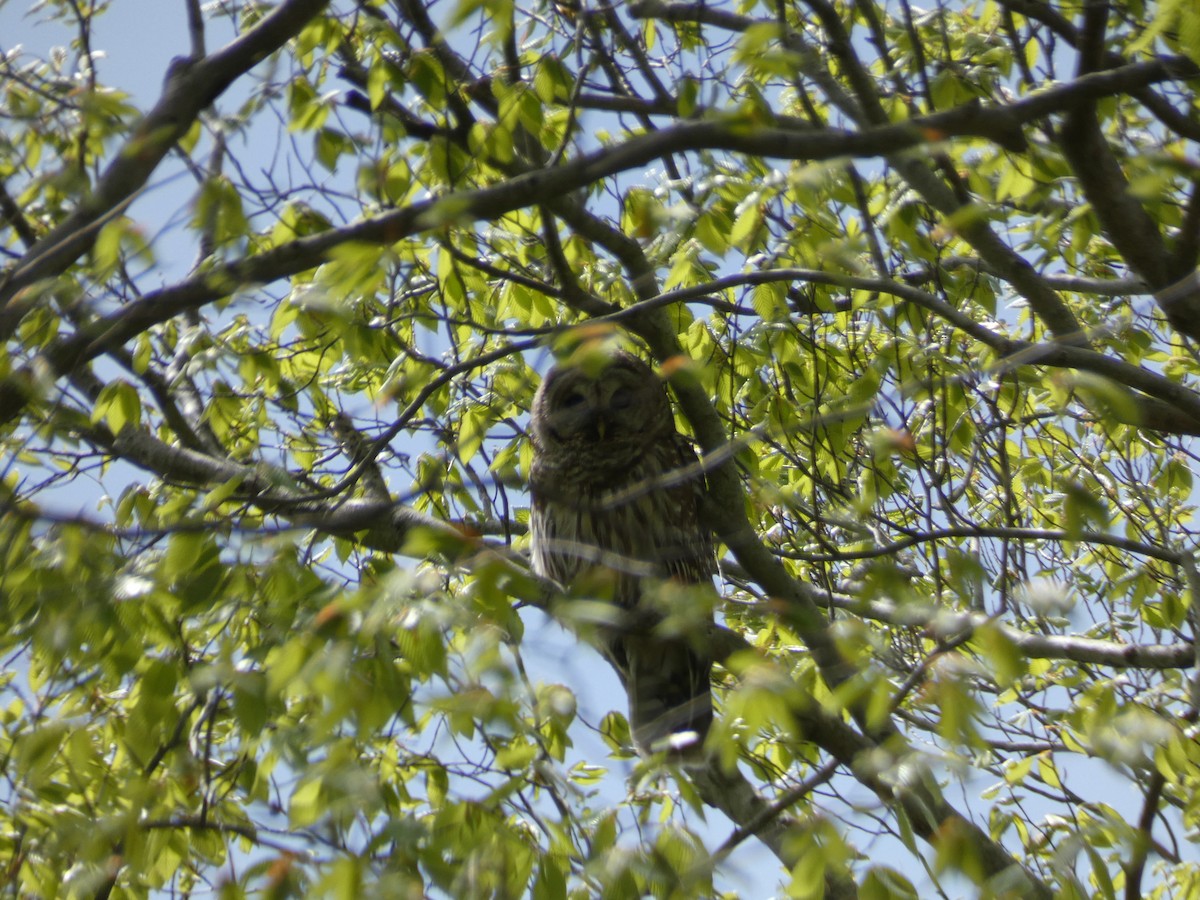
(634,512)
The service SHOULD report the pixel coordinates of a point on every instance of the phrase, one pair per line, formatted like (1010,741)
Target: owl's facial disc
(622,402)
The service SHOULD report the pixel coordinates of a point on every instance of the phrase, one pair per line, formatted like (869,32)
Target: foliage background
(922,282)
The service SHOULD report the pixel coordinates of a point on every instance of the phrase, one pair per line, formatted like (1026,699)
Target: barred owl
(615,493)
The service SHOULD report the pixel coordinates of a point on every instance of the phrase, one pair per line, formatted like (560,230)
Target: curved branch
(1102,287)
(869,112)
(1135,236)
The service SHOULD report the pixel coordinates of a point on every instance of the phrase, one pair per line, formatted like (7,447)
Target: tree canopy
(923,284)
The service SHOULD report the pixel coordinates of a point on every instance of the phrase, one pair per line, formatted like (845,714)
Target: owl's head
(601,400)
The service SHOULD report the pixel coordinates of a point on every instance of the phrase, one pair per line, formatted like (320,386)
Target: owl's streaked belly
(636,531)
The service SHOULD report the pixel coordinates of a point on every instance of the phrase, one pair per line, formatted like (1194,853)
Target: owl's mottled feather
(616,493)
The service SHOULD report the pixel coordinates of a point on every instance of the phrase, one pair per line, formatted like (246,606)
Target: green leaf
(770,301)
(107,249)
(306,806)
(472,431)
(308,111)
(218,495)
(1003,657)
(117,405)
(688,97)
(1166,13)
(381,77)
(885,883)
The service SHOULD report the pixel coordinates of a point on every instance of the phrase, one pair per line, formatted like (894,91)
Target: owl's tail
(669,683)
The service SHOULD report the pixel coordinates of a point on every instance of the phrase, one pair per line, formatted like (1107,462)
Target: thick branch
(1135,236)
(380,525)
(1133,232)
(1161,108)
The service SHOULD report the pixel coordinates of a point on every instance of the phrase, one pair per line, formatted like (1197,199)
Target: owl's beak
(601,426)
